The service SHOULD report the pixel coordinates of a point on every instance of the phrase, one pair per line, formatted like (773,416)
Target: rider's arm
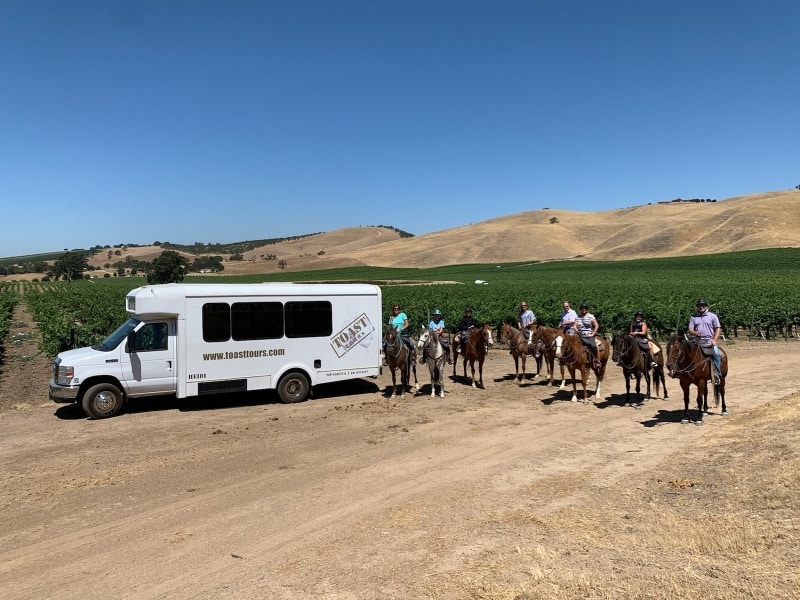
(595,327)
(717,332)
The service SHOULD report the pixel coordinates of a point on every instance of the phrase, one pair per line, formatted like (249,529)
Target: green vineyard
(756,293)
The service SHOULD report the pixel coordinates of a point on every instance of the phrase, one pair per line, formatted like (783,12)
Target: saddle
(707,351)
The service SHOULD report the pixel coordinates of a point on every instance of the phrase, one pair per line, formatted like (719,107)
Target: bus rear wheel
(293,387)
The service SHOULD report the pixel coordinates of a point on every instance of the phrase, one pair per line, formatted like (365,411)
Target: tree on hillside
(170,267)
(70,265)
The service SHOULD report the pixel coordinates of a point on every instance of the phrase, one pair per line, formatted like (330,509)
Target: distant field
(756,291)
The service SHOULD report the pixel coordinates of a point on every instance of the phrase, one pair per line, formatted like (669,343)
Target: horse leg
(480,371)
(574,383)
(472,370)
(584,381)
(394,385)
(685,386)
(627,374)
(719,393)
(702,400)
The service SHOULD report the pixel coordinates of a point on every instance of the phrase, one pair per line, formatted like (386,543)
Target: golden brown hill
(757,221)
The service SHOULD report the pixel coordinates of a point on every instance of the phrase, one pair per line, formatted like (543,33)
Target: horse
(629,355)
(575,356)
(430,346)
(518,344)
(475,347)
(399,357)
(686,360)
(544,341)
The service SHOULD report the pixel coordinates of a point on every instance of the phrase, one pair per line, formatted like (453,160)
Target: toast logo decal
(355,332)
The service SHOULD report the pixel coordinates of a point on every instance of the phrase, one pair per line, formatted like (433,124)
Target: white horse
(430,346)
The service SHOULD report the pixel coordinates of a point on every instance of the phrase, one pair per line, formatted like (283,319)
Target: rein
(630,346)
(396,343)
(697,363)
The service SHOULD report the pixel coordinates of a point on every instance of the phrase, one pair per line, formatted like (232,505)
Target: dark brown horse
(686,360)
(399,357)
(474,349)
(635,361)
(520,349)
(575,356)
(544,343)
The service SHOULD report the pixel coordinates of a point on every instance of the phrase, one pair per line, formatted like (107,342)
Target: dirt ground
(504,492)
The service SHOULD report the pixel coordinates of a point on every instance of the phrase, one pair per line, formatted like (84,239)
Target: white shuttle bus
(196,339)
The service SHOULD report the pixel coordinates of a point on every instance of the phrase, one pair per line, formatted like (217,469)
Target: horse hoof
(724,413)
(685,421)
(699,423)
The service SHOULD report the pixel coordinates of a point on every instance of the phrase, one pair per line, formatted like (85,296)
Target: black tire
(102,401)
(293,387)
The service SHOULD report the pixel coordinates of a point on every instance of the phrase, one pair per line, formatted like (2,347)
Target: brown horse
(686,360)
(635,361)
(520,349)
(575,356)
(474,348)
(399,357)
(544,341)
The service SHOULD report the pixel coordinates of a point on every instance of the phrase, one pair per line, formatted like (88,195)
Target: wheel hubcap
(105,401)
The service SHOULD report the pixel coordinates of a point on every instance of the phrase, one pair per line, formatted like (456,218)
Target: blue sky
(183,121)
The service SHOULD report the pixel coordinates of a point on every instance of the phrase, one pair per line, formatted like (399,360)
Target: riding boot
(449,358)
(653,362)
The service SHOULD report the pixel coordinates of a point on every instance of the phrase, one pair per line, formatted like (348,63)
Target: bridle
(395,343)
(679,354)
(628,344)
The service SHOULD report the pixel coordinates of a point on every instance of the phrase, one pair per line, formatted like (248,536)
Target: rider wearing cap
(437,326)
(705,325)
(587,327)
(639,330)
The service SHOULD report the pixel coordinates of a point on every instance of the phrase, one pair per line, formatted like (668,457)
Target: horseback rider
(526,320)
(466,323)
(706,326)
(399,321)
(437,327)
(587,326)
(568,318)
(639,330)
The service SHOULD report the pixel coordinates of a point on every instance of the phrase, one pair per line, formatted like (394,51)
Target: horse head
(424,338)
(619,346)
(488,341)
(674,354)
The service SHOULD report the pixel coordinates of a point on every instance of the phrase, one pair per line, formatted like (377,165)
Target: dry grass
(722,521)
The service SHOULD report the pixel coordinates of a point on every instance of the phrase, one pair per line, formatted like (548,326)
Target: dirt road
(349,495)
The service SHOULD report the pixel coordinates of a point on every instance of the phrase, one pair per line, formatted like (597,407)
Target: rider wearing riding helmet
(705,325)
(639,330)
(437,326)
(466,323)
(587,327)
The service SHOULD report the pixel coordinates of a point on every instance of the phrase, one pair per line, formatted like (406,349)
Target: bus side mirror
(131,342)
